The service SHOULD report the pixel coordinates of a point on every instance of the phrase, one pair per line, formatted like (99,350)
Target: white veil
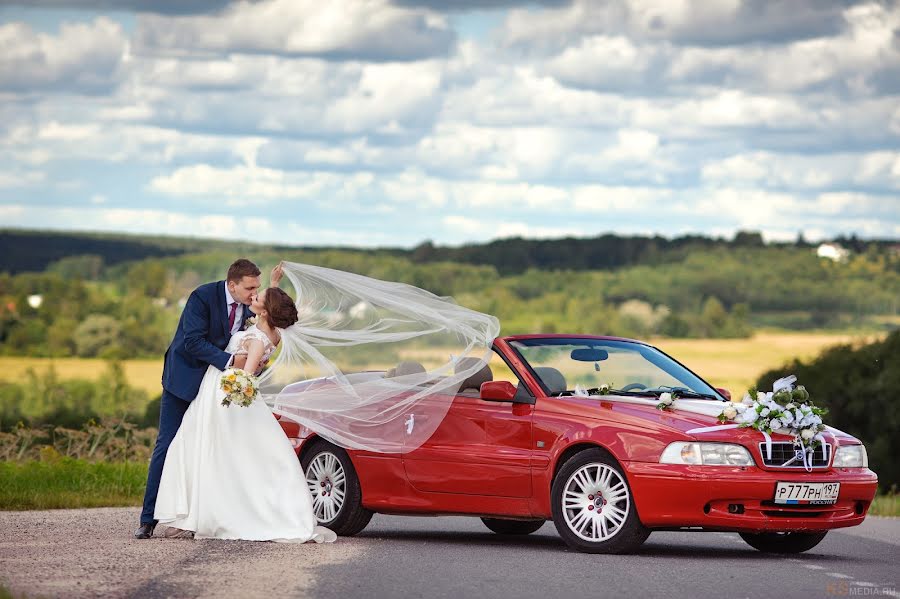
(373,365)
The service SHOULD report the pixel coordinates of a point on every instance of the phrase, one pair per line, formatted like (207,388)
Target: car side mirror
(498,391)
(724,392)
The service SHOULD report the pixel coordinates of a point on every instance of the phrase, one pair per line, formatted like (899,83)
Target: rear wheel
(336,494)
(593,508)
(783,542)
(512,527)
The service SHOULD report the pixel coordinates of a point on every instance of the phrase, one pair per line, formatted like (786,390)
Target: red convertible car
(521,445)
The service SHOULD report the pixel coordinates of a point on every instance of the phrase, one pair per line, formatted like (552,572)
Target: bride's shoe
(177,533)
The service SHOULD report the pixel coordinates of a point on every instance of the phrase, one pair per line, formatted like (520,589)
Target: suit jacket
(200,340)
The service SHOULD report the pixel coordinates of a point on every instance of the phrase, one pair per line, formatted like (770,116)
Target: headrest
(474,381)
(552,378)
(405,369)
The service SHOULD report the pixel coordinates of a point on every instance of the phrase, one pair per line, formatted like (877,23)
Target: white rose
(730,413)
(775,424)
(764,412)
(791,406)
(787,417)
(760,396)
(665,398)
(807,434)
(749,416)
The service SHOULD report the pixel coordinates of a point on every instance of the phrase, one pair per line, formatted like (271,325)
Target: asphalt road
(458,557)
(88,553)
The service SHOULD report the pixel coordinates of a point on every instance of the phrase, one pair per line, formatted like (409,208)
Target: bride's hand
(277,273)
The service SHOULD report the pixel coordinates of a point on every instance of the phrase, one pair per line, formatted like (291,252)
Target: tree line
(83,305)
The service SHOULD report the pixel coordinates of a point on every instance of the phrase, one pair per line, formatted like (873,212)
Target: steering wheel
(633,386)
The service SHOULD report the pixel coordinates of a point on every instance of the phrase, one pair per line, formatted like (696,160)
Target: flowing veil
(373,365)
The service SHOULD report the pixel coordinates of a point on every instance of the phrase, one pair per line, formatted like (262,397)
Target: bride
(230,472)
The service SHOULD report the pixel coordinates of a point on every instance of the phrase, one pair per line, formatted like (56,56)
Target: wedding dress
(231,472)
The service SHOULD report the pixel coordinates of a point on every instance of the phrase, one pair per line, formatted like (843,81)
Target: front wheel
(512,527)
(593,508)
(335,490)
(783,542)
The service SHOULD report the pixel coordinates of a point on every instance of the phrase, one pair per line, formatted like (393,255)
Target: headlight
(851,456)
(706,454)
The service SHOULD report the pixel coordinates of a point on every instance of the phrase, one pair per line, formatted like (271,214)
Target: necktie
(231,316)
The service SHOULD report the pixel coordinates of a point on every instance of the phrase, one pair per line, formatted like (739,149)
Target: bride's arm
(254,355)
(275,277)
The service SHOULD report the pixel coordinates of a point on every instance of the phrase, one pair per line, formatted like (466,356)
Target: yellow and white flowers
(240,387)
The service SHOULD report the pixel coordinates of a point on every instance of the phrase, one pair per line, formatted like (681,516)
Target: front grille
(784,455)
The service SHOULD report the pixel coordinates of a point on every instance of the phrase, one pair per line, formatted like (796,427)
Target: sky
(391,122)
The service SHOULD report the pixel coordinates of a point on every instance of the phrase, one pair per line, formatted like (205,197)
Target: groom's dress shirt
(238,314)
(238,317)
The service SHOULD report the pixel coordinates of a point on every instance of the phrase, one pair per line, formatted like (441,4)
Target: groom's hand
(277,273)
(239,361)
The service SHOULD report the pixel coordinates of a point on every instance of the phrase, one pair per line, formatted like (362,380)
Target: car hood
(687,422)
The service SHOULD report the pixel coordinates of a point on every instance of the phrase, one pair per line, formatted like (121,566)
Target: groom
(213,313)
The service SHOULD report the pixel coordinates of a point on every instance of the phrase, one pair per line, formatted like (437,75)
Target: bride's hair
(282,312)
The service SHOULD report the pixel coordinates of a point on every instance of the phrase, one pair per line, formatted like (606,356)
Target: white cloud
(689,22)
(21,179)
(350,29)
(800,172)
(83,58)
(240,184)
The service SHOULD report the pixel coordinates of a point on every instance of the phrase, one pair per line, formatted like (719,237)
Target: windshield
(626,367)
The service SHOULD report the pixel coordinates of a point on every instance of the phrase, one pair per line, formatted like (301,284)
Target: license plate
(807,493)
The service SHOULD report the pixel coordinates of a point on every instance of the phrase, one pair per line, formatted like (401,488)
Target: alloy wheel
(327,483)
(595,502)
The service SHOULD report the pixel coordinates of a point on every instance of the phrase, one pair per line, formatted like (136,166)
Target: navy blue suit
(200,340)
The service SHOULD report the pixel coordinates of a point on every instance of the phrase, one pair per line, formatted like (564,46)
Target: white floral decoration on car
(786,409)
(665,401)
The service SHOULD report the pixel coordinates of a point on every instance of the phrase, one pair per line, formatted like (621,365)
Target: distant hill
(33,251)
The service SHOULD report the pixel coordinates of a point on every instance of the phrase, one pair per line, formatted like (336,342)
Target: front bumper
(674,496)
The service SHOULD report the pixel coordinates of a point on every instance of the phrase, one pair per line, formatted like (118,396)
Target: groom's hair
(241,268)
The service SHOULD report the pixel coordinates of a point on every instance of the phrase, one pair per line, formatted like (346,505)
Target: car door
(480,448)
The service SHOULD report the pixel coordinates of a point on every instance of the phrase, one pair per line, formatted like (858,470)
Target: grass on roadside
(886,505)
(70,483)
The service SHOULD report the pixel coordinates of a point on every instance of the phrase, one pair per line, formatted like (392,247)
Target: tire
(783,542)
(512,527)
(599,515)
(332,481)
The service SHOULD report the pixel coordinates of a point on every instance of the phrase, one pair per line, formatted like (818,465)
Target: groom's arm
(196,327)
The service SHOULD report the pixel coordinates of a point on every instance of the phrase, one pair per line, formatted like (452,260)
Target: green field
(68,483)
(736,364)
(143,374)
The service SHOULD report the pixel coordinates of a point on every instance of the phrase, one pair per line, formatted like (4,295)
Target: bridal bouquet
(239,387)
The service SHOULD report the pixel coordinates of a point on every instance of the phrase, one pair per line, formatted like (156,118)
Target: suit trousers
(171,413)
